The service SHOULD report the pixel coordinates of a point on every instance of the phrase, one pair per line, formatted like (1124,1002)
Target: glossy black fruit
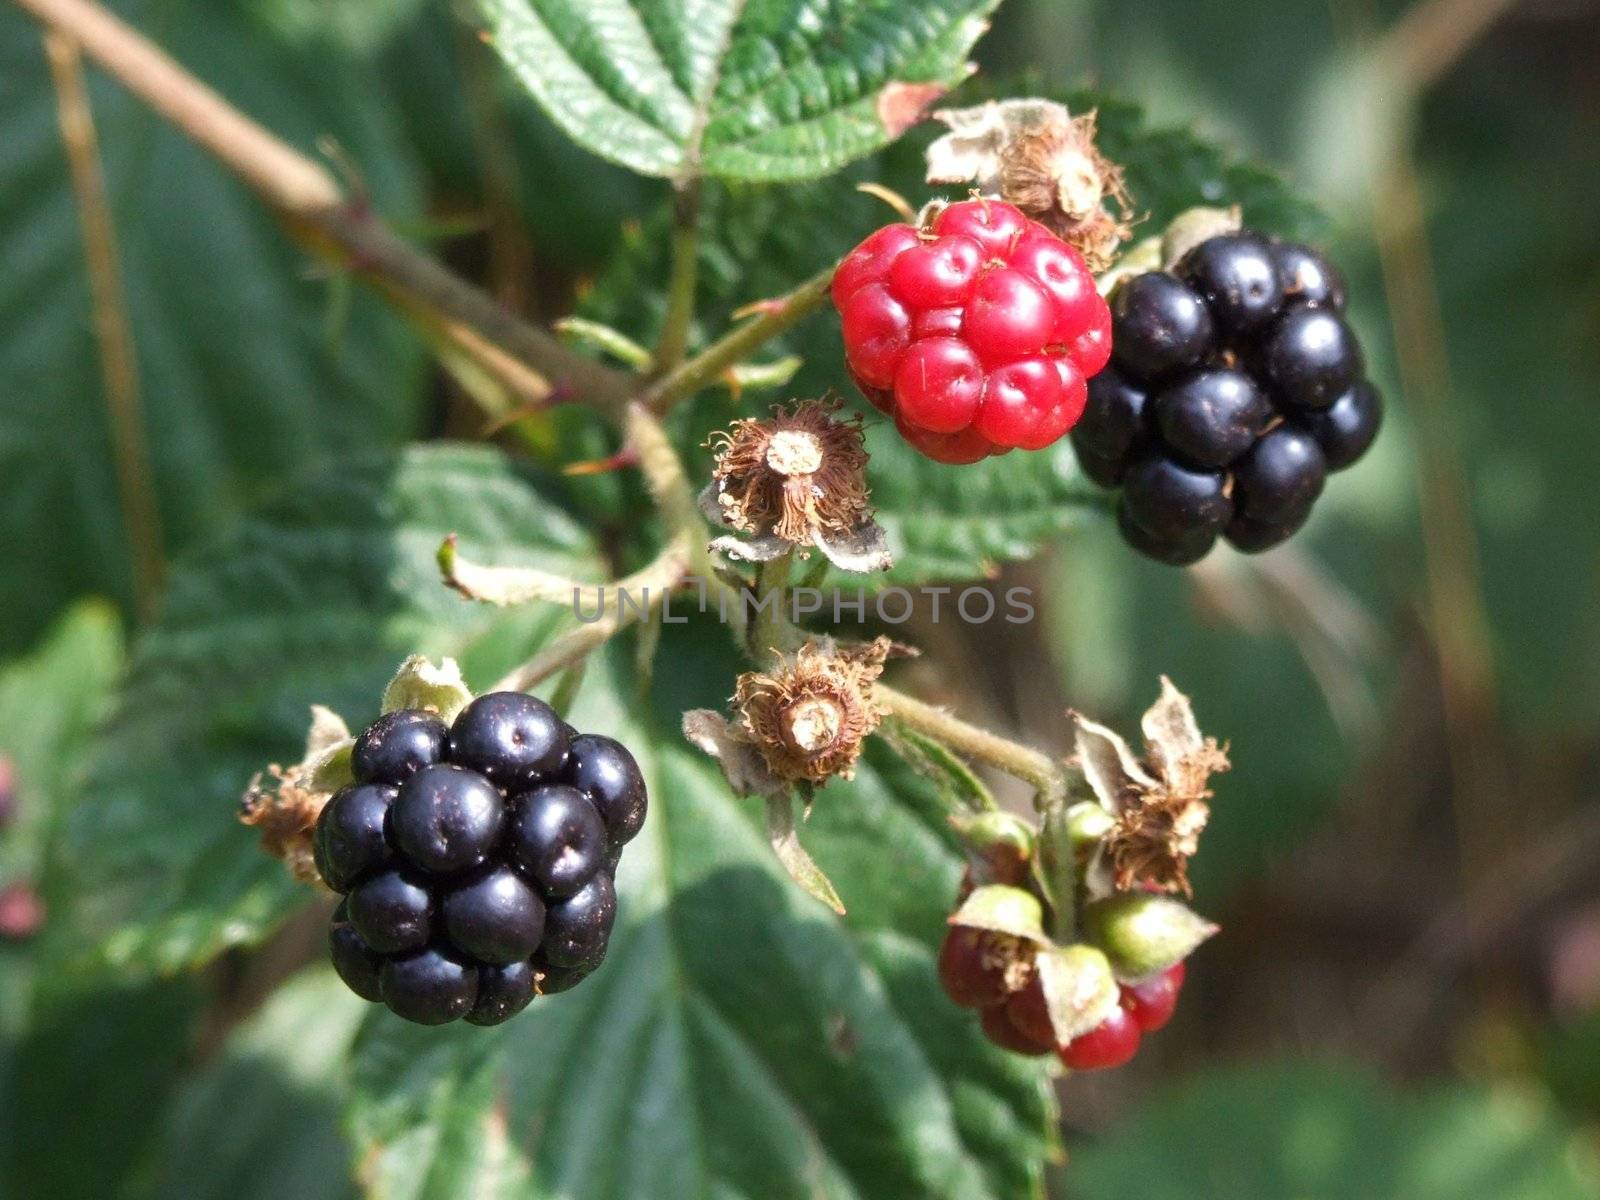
(446,819)
(1253,536)
(429,987)
(1309,358)
(557,838)
(1170,501)
(1226,422)
(357,963)
(464,893)
(1111,427)
(602,769)
(1347,428)
(1176,550)
(577,928)
(1160,326)
(1211,416)
(553,980)
(348,842)
(1237,276)
(503,992)
(391,912)
(495,918)
(513,740)
(1281,477)
(1308,278)
(397,745)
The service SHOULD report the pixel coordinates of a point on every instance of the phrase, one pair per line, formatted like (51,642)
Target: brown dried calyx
(809,717)
(285,806)
(1157,801)
(1036,155)
(801,471)
(286,813)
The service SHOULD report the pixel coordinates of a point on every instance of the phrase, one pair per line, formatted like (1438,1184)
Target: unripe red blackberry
(975,332)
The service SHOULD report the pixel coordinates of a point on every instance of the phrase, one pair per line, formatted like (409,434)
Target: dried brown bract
(1037,155)
(285,804)
(1157,801)
(809,717)
(801,470)
(285,812)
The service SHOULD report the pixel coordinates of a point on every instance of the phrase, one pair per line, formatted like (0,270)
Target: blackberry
(476,860)
(1235,388)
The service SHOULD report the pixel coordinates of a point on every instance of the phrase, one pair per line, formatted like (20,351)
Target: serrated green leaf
(316,599)
(239,382)
(944,523)
(1335,1134)
(743,89)
(739,1040)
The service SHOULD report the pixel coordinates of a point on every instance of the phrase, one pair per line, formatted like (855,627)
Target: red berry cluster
(982,970)
(976,332)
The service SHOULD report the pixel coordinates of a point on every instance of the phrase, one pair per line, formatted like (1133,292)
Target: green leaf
(48,703)
(944,523)
(745,89)
(239,380)
(739,1040)
(316,599)
(1266,1132)
(261,1122)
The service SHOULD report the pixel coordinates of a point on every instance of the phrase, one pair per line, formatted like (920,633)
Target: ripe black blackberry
(1235,388)
(476,861)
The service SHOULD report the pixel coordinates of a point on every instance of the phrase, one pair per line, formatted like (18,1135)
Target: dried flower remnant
(1157,802)
(796,479)
(809,717)
(1036,155)
(285,805)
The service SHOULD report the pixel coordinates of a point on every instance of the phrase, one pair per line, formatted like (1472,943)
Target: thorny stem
(732,348)
(674,339)
(321,217)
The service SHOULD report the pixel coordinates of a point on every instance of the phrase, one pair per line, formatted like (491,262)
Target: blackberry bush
(475,860)
(813,815)
(1235,388)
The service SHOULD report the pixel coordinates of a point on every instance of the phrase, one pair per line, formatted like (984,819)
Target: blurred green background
(1406,1000)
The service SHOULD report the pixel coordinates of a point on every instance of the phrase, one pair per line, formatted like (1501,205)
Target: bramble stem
(674,339)
(320,216)
(1033,766)
(732,348)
